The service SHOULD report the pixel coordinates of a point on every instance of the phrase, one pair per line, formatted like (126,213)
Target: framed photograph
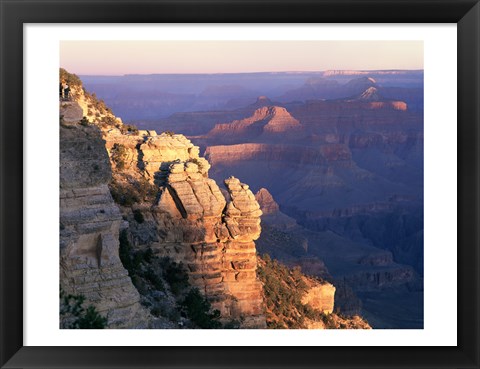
(266,184)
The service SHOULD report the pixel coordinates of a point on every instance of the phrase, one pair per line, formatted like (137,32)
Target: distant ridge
(329,73)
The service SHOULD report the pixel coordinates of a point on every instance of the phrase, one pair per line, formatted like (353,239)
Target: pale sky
(149,57)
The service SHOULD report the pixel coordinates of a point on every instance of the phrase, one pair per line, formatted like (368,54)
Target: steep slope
(296,301)
(89,230)
(162,179)
(191,220)
(366,278)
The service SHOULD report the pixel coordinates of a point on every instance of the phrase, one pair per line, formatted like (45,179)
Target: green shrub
(283,290)
(84,122)
(118,153)
(74,316)
(128,128)
(137,263)
(123,194)
(108,121)
(132,190)
(198,310)
(148,255)
(125,252)
(92,320)
(196,161)
(176,276)
(154,279)
(71,79)
(138,216)
(139,284)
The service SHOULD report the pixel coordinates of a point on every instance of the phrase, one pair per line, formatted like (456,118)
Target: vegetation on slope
(72,79)
(73,314)
(98,112)
(283,289)
(127,190)
(165,290)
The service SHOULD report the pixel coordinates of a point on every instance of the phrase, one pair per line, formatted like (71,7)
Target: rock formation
(271,211)
(320,296)
(70,112)
(194,223)
(294,300)
(266,201)
(267,120)
(210,231)
(89,229)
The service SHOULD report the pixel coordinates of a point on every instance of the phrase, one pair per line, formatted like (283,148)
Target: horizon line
(258,72)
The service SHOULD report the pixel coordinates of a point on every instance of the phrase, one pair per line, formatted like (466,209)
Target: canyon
(334,166)
(158,101)
(351,177)
(133,198)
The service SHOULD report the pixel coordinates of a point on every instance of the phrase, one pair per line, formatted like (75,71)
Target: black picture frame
(15,13)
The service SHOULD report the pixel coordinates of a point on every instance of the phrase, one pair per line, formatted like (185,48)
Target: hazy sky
(146,57)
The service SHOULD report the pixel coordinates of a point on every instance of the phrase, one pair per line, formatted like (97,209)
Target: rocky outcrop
(208,229)
(212,232)
(320,296)
(271,211)
(267,120)
(70,112)
(89,231)
(266,201)
(294,300)
(159,152)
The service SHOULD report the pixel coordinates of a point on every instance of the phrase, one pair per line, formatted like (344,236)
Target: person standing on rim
(63,86)
(66,92)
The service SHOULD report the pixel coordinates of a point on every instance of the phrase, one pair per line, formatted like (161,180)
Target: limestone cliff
(213,236)
(320,296)
(195,222)
(189,218)
(89,229)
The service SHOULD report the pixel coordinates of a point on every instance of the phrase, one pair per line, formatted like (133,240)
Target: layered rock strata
(271,211)
(213,235)
(210,230)
(89,231)
(320,296)
(267,120)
